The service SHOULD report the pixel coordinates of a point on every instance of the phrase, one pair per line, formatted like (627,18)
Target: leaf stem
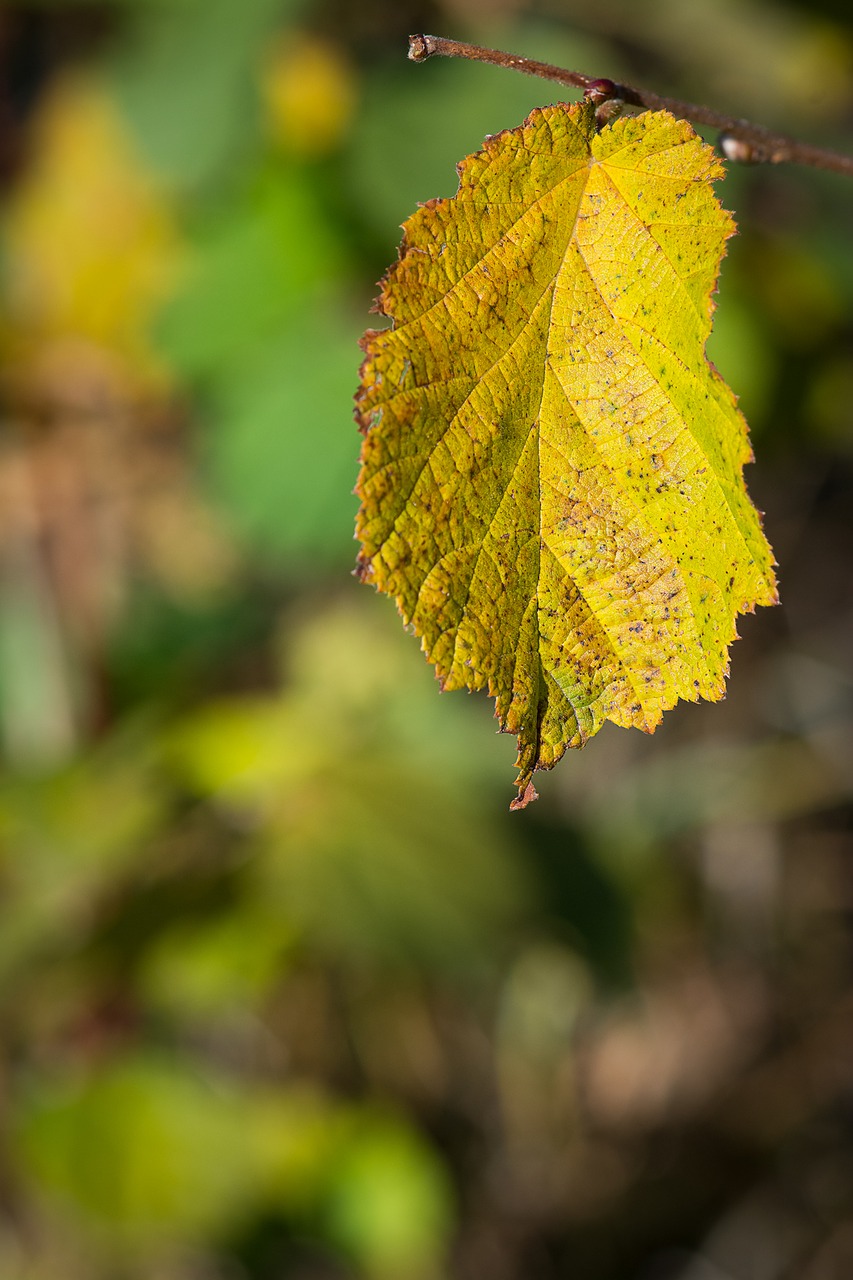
(740,140)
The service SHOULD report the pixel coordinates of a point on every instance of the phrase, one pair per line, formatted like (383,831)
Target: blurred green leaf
(370,848)
(144,1147)
(389,1204)
(282,451)
(186,76)
(218,965)
(150,1150)
(67,837)
(254,264)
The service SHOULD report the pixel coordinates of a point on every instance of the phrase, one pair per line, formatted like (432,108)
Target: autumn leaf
(551,477)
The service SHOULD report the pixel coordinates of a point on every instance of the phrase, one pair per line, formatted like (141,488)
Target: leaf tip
(524,797)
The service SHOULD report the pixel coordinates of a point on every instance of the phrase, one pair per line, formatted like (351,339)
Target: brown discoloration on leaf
(551,476)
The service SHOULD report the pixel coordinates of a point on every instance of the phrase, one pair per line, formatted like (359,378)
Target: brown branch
(739,139)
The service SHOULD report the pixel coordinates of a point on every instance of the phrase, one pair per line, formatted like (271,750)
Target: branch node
(600,91)
(735,149)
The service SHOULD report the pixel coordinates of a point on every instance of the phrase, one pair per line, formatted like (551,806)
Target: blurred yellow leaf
(90,241)
(310,94)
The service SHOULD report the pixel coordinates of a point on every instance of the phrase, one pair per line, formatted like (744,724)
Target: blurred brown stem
(740,140)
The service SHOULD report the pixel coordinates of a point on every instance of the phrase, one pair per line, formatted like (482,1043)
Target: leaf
(551,476)
(90,241)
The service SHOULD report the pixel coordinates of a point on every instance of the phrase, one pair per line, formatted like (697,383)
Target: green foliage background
(285,992)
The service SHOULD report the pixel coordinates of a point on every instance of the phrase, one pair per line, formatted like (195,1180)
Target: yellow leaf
(90,241)
(309,91)
(551,474)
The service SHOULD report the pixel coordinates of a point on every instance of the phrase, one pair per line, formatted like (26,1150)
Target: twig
(739,139)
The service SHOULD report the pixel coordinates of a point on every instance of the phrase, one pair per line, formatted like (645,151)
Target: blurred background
(285,991)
